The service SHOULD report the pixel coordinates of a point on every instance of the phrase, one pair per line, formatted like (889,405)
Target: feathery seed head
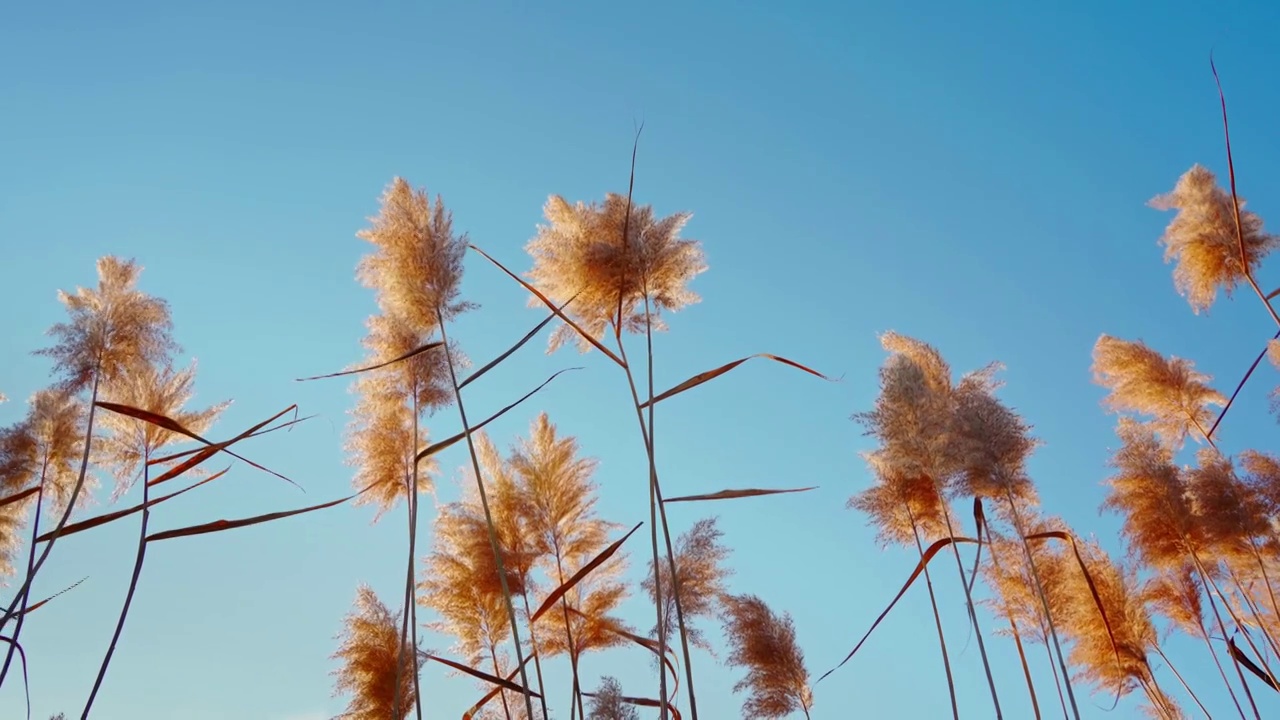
(109,328)
(777,681)
(369,652)
(1203,239)
(416,266)
(582,253)
(1142,381)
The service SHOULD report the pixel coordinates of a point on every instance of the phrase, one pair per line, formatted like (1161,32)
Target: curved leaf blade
(710,375)
(734,494)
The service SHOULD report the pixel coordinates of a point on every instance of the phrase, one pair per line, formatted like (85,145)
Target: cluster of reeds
(521,571)
(1202,544)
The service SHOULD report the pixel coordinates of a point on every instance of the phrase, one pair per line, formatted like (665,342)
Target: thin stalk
(71,504)
(575,700)
(1183,681)
(1266,579)
(1057,682)
(406,619)
(655,498)
(1253,610)
(1213,605)
(411,608)
(497,672)
(537,660)
(968,597)
(133,585)
(1204,635)
(937,621)
(662,510)
(1044,600)
(488,519)
(31,558)
(1205,577)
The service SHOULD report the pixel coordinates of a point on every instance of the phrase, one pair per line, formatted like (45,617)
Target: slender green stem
(488,518)
(133,586)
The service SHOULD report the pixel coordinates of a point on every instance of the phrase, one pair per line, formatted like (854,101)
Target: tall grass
(523,572)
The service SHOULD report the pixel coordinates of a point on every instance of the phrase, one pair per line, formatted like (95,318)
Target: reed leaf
(93,522)
(733,494)
(416,351)
(20,495)
(1248,664)
(220,525)
(528,336)
(434,448)
(174,426)
(552,306)
(492,679)
(709,375)
(577,577)
(929,554)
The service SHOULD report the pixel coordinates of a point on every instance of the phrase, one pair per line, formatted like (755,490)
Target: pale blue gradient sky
(970,173)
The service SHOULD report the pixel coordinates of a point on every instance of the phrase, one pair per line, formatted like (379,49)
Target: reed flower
(583,253)
(45,448)
(1203,238)
(368,653)
(161,390)
(1122,596)
(109,329)
(777,681)
(382,446)
(700,564)
(1149,492)
(607,703)
(416,266)
(1144,382)
(991,443)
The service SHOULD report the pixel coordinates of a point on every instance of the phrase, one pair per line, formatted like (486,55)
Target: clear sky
(973,174)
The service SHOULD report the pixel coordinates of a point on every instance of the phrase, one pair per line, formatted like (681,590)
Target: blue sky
(971,174)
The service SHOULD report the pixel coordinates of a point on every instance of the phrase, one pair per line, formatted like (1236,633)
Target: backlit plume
(109,328)
(417,264)
(582,253)
(700,560)
(1202,238)
(370,646)
(764,644)
(1144,382)
(46,447)
(129,441)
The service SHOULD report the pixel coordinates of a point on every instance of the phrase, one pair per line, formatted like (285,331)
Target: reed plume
(614,260)
(1142,381)
(584,253)
(1122,596)
(559,509)
(763,643)
(607,702)
(415,271)
(109,330)
(700,558)
(914,420)
(1202,238)
(371,657)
